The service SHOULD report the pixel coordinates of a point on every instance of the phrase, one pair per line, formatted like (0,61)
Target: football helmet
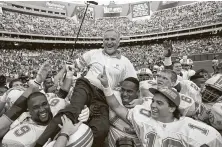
(144,74)
(212,91)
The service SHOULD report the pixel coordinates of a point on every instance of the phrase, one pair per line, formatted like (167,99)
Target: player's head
(48,83)
(3,89)
(16,83)
(165,103)
(212,90)
(39,108)
(166,78)
(186,63)
(200,77)
(177,67)
(129,90)
(144,74)
(111,41)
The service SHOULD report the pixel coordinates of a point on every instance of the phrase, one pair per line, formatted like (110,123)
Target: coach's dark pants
(84,94)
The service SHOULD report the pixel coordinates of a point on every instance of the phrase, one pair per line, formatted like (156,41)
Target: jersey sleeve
(136,116)
(203,133)
(187,105)
(24,135)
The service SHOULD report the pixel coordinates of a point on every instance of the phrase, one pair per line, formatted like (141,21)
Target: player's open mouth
(154,111)
(110,46)
(43,115)
(159,83)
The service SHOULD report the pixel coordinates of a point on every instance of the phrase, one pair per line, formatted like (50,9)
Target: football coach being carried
(89,91)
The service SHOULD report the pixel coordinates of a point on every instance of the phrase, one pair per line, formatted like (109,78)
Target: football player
(210,110)
(119,128)
(144,74)
(30,125)
(20,105)
(186,72)
(190,93)
(9,97)
(161,125)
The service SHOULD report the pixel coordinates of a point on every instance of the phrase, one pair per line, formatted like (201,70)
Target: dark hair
(134,80)
(2,80)
(199,74)
(176,113)
(171,104)
(13,81)
(34,95)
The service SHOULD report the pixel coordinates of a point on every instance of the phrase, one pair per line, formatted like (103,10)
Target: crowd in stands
(27,61)
(177,89)
(187,16)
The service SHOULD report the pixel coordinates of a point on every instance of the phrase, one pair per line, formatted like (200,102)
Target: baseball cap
(170,93)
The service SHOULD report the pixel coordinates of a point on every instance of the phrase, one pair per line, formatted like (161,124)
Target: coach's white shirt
(117,67)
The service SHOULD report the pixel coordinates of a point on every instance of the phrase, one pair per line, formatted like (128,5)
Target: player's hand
(70,69)
(134,102)
(59,76)
(103,78)
(84,115)
(168,48)
(67,126)
(35,87)
(43,72)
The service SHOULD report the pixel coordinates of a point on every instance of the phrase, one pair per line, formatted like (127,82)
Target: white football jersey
(185,132)
(145,85)
(119,128)
(83,137)
(11,96)
(215,116)
(23,135)
(190,89)
(28,129)
(187,105)
(187,74)
(57,104)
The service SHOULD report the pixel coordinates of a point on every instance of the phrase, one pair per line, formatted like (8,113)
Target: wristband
(108,91)
(65,135)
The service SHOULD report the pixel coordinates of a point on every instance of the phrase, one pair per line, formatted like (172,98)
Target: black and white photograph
(110,73)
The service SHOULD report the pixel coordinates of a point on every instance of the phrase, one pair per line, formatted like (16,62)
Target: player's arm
(67,130)
(167,54)
(20,104)
(65,87)
(120,110)
(2,102)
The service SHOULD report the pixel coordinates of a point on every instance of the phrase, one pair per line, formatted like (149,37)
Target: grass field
(207,65)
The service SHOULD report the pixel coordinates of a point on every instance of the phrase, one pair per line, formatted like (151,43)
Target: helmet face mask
(144,77)
(210,94)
